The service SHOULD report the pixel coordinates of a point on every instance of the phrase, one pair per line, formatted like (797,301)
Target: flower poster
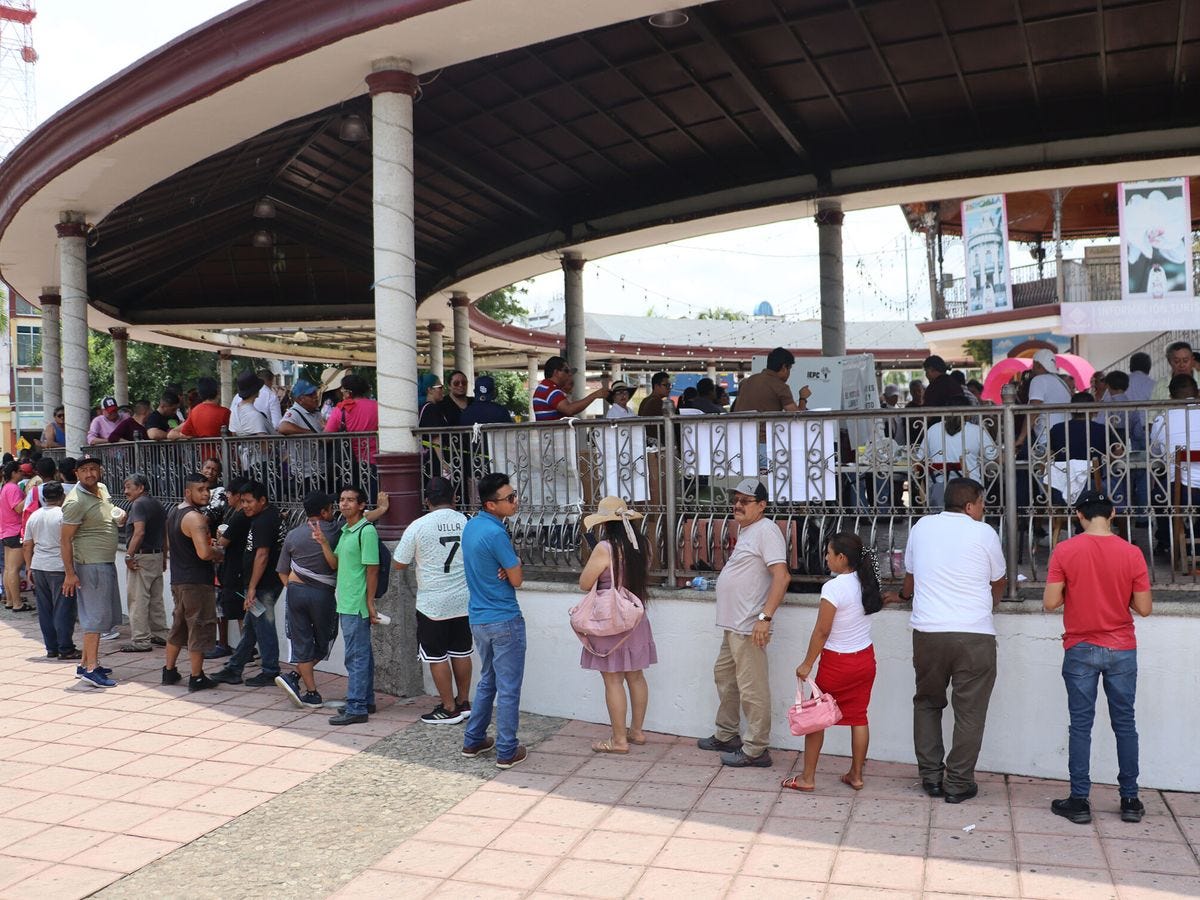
(985,239)
(1156,230)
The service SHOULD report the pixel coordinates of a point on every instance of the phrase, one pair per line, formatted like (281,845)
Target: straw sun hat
(610,509)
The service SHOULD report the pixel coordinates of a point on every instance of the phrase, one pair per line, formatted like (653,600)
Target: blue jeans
(260,630)
(501,647)
(1083,666)
(360,664)
(56,613)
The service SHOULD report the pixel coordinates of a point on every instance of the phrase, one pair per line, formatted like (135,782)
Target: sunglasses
(509,499)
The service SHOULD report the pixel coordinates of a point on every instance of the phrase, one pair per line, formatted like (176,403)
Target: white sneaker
(110,635)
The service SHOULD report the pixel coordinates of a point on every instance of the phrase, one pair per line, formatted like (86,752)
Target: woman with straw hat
(619,658)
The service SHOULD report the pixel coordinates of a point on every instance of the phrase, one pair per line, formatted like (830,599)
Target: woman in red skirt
(841,638)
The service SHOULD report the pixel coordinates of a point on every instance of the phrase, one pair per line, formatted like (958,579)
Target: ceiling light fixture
(352,129)
(262,238)
(300,337)
(672,19)
(264,208)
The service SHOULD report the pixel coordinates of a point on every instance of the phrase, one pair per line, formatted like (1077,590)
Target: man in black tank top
(191,554)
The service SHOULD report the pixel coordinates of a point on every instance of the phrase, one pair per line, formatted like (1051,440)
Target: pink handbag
(817,713)
(603,613)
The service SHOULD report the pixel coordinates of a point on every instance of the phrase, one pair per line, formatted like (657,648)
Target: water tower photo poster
(1156,230)
(985,240)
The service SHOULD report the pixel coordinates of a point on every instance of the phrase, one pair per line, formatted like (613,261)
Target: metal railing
(871,472)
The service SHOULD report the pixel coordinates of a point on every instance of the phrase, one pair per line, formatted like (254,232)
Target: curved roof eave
(258,65)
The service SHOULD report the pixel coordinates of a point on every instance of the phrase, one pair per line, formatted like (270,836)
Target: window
(30,409)
(25,308)
(29,346)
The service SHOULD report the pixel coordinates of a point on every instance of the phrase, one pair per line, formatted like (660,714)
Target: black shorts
(231,604)
(13,543)
(441,639)
(312,622)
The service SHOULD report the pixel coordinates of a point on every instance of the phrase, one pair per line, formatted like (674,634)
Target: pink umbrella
(1001,374)
(1078,368)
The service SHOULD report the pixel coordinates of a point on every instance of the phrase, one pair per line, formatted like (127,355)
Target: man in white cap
(1047,386)
(750,589)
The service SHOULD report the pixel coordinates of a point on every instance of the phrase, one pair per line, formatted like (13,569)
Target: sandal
(607,747)
(629,737)
(792,783)
(846,781)
(24,607)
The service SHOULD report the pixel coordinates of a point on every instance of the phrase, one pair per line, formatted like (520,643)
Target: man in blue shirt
(493,574)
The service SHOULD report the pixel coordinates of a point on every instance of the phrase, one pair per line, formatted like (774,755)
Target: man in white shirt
(432,543)
(303,417)
(1047,386)
(955,579)
(43,560)
(267,401)
(955,440)
(750,589)
(1178,428)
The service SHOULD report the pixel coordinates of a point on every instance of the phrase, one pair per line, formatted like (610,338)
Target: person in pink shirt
(12,505)
(358,412)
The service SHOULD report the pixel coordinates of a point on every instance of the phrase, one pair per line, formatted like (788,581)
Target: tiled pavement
(142,779)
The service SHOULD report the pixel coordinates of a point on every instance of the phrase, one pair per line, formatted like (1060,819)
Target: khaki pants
(147,614)
(966,663)
(743,688)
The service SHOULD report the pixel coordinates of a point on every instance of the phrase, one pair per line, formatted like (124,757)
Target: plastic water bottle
(700,583)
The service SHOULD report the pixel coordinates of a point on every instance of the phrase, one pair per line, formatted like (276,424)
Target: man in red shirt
(1098,577)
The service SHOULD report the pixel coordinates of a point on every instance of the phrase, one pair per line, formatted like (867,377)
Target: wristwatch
(763,617)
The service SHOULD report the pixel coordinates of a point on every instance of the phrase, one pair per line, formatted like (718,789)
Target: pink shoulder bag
(818,712)
(603,613)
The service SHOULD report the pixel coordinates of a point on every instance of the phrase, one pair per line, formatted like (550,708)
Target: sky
(80,44)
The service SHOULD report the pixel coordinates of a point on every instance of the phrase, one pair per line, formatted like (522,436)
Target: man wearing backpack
(356,561)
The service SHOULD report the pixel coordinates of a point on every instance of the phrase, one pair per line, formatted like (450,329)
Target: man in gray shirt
(144,567)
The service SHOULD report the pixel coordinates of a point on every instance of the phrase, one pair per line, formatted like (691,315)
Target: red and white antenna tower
(18,103)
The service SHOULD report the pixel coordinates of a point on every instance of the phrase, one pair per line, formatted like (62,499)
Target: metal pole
(1009,437)
(668,474)
(1060,282)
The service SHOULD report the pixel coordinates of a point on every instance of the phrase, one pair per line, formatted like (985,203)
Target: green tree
(722,313)
(979,350)
(505,304)
(511,392)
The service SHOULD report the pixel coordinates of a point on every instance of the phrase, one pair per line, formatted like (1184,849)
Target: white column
(225,374)
(120,339)
(437,351)
(833,304)
(576,349)
(712,370)
(72,276)
(464,359)
(392,86)
(615,368)
(534,375)
(51,350)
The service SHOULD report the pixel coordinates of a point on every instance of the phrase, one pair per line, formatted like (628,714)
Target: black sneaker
(470,751)
(71,654)
(290,682)
(719,746)
(200,682)
(262,679)
(171,676)
(347,719)
(370,708)
(1132,809)
(739,760)
(227,676)
(51,654)
(311,700)
(442,716)
(1075,809)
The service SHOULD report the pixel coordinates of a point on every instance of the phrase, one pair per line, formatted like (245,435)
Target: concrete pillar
(51,350)
(225,375)
(576,338)
(463,358)
(120,339)
(437,351)
(833,302)
(72,275)
(534,375)
(615,368)
(711,370)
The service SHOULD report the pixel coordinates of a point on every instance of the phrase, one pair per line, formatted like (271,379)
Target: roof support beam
(479,178)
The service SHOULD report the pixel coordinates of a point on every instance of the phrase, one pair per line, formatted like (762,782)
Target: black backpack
(385,558)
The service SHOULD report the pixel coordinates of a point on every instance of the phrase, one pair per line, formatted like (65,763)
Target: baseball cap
(891,390)
(303,388)
(751,487)
(485,388)
(1088,497)
(88,459)
(1046,359)
(108,403)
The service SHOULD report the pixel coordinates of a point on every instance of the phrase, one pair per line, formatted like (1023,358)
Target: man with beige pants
(144,567)
(749,590)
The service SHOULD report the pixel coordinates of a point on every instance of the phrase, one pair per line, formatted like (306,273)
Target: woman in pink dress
(619,658)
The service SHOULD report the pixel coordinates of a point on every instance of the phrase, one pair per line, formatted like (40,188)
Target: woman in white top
(618,398)
(841,638)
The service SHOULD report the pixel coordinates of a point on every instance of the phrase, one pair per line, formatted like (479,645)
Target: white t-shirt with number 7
(433,546)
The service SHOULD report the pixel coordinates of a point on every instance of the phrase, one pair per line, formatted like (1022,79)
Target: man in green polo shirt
(356,562)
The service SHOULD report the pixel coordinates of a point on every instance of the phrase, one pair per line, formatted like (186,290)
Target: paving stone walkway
(147,791)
